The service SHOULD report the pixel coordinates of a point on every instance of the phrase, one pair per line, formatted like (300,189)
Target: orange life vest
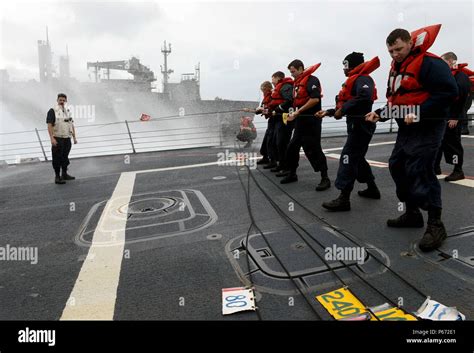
(300,93)
(463,68)
(404,87)
(363,69)
(277,98)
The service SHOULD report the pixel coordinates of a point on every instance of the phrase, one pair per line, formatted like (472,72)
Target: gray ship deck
(178,258)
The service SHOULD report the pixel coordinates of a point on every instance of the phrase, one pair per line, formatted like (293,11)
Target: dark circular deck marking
(152,216)
(154,205)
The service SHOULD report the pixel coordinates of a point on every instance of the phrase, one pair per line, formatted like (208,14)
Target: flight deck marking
(95,291)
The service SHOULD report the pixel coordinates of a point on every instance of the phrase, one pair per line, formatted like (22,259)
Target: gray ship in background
(175,118)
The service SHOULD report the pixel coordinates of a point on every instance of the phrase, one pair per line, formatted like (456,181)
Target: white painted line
(370,145)
(222,163)
(181,167)
(372,163)
(468,136)
(463,182)
(95,291)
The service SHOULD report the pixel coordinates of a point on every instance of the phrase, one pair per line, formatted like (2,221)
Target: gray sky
(238,43)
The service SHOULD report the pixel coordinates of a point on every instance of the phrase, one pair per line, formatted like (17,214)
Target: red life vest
(267,98)
(404,87)
(277,98)
(363,69)
(247,122)
(266,102)
(300,94)
(463,68)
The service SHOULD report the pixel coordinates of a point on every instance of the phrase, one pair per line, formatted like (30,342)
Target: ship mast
(164,70)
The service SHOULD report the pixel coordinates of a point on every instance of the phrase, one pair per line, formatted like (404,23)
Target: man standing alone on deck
(420,90)
(60,129)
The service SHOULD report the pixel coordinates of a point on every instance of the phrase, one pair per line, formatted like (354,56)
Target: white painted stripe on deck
(370,145)
(94,294)
(184,166)
(463,182)
(372,163)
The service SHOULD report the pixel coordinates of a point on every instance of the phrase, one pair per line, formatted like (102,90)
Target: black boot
(342,203)
(59,180)
(324,184)
(66,176)
(457,174)
(372,191)
(282,173)
(276,169)
(264,160)
(290,178)
(434,236)
(270,165)
(410,219)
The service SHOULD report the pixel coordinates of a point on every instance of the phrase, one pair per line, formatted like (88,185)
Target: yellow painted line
(95,291)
